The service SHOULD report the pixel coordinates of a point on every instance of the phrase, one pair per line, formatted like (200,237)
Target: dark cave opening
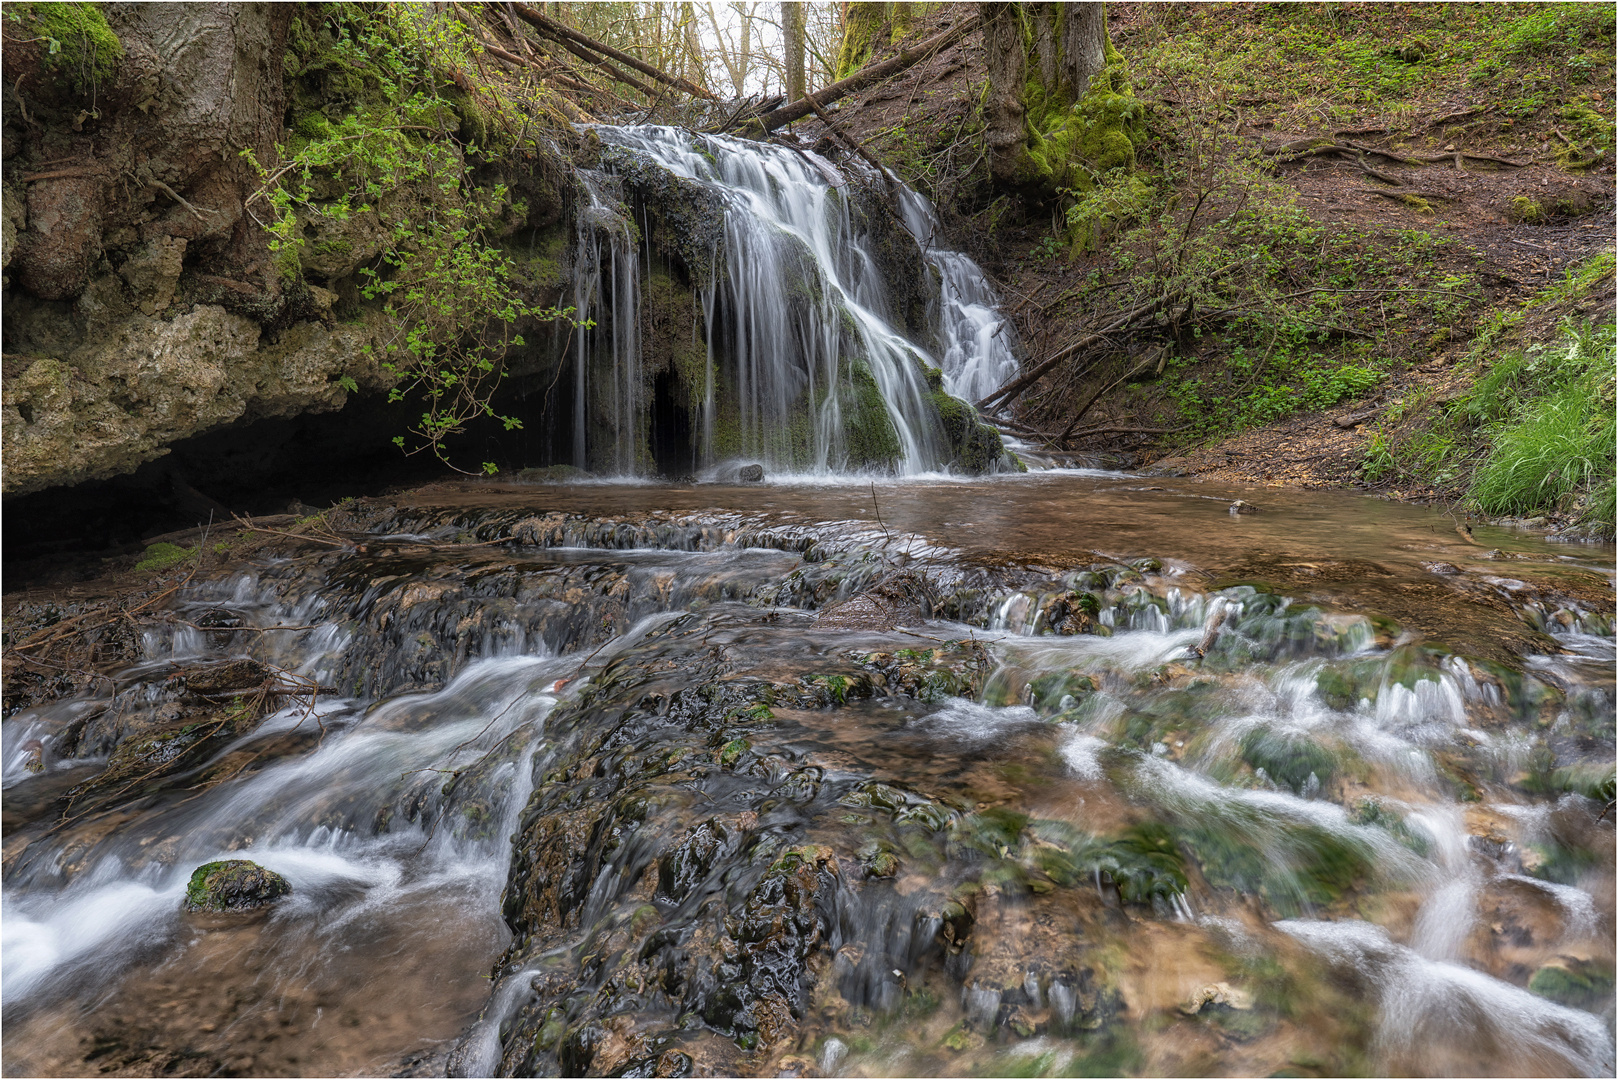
(674,451)
(278,465)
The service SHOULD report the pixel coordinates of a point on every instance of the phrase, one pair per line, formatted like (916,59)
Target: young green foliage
(395,151)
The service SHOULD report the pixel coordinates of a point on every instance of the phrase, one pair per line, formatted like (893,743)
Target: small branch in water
(335,541)
(885,537)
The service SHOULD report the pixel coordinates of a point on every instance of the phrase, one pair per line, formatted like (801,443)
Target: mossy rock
(79,50)
(1288,758)
(1580,984)
(233,885)
(870,441)
(687,219)
(974,447)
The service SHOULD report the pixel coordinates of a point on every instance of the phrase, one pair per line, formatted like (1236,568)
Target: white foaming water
(1273,824)
(1420,998)
(324,820)
(1080,753)
(965,721)
(978,343)
(479,1052)
(801,288)
(606,292)
(1445,918)
(1132,651)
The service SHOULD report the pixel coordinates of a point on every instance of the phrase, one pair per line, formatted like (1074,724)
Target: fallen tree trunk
(1012,389)
(875,73)
(606,68)
(1141,368)
(564,34)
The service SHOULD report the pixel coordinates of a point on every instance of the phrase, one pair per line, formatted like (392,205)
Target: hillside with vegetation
(1371,219)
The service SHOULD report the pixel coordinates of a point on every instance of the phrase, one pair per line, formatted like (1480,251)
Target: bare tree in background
(734,42)
(792,48)
(743,46)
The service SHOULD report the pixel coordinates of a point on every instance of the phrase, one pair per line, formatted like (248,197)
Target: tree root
(1315,147)
(1410,197)
(196,211)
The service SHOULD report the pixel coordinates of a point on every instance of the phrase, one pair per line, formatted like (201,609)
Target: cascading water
(815,358)
(636,780)
(606,285)
(978,355)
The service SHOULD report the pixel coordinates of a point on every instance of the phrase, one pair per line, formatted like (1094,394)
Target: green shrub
(398,136)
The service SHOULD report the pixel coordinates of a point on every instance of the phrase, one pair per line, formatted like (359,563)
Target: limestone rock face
(142,305)
(119,402)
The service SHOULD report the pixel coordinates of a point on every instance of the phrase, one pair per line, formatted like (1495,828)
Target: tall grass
(1550,414)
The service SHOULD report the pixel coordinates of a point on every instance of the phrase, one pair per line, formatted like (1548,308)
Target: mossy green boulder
(233,885)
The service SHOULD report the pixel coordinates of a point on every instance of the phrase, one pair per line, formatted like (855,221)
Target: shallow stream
(1070,773)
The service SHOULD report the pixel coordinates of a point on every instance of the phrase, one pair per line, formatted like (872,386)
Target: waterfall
(977,341)
(832,326)
(606,284)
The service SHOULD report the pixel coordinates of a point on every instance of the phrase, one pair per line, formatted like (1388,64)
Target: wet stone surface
(729,794)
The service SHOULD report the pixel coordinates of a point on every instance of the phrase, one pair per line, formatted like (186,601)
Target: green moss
(862,22)
(870,441)
(1046,692)
(1146,863)
(332,246)
(544,263)
(733,750)
(81,50)
(288,263)
(1580,984)
(1294,867)
(1527,211)
(1589,125)
(1143,860)
(162,556)
(974,446)
(1072,142)
(1289,759)
(233,885)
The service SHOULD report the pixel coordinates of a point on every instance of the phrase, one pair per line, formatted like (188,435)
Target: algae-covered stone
(1568,981)
(233,885)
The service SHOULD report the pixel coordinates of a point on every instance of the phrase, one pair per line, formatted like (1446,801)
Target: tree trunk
(1043,59)
(792,40)
(1005,131)
(862,21)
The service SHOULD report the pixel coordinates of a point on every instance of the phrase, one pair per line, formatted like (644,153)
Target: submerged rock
(552,474)
(233,885)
